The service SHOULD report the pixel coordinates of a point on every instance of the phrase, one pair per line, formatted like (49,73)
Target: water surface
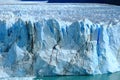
(114,76)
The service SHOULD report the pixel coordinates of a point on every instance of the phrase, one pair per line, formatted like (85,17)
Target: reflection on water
(114,76)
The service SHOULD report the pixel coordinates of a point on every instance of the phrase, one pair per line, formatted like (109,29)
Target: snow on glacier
(36,45)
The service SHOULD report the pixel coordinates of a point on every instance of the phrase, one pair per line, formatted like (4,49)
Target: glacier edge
(45,48)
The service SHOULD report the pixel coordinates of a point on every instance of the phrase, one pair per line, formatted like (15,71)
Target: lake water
(114,76)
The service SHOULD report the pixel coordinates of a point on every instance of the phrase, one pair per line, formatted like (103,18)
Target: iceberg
(44,41)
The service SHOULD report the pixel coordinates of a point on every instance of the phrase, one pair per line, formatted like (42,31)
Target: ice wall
(52,45)
(45,48)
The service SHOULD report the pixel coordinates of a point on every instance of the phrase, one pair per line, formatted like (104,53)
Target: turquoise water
(114,76)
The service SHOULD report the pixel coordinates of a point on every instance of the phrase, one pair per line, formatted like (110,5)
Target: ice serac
(45,48)
(51,46)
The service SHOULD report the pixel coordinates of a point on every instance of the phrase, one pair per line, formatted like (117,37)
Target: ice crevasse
(49,47)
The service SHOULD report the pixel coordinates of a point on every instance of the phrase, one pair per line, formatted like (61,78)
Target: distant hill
(75,1)
(115,2)
(33,0)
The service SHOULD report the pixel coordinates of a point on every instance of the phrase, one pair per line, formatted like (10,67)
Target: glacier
(60,42)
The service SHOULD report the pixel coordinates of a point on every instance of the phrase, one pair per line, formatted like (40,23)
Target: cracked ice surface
(39,40)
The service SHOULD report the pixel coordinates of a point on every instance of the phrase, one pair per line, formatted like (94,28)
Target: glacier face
(44,48)
(48,47)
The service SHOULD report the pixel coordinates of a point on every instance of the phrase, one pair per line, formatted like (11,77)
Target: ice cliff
(46,47)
